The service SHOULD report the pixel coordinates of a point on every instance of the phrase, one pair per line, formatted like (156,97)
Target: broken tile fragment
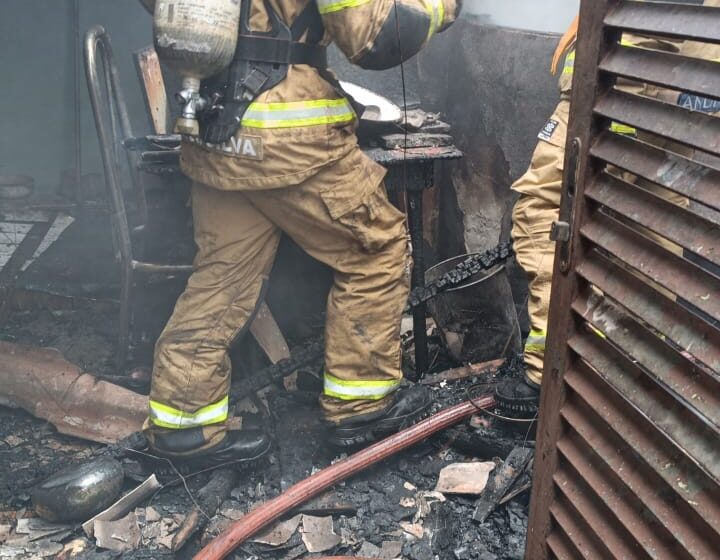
(122,535)
(391,550)
(464,478)
(369,550)
(38,549)
(124,504)
(14,441)
(151,514)
(35,529)
(165,541)
(74,548)
(279,533)
(150,532)
(424,503)
(232,513)
(348,537)
(318,533)
(4,532)
(414,529)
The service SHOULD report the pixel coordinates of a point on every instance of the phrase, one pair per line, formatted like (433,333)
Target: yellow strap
(597,331)
(619,128)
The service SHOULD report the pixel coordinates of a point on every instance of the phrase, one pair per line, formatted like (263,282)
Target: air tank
(197,39)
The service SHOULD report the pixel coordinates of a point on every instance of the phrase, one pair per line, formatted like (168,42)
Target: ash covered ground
(389,511)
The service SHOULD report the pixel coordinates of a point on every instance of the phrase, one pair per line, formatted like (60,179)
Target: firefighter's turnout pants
(341,217)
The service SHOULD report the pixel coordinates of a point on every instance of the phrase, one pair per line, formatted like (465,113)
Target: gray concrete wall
(494,86)
(38,93)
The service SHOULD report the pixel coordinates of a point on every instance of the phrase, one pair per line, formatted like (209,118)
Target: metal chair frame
(108,103)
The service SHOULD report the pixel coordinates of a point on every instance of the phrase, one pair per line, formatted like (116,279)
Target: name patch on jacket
(697,103)
(548,130)
(243,146)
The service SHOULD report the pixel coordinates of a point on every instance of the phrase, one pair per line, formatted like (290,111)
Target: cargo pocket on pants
(366,213)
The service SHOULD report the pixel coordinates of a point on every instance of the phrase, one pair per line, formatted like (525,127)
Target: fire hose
(298,494)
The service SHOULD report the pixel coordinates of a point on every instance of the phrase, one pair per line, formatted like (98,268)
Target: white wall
(535,15)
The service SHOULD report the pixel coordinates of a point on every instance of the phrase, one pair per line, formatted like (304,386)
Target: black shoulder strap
(261,62)
(309,20)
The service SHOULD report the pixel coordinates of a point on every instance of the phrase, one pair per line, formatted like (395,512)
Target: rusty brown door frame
(628,452)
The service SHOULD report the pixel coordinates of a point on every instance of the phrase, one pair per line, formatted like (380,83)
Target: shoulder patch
(548,130)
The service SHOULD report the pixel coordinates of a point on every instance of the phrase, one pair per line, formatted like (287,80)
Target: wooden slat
(577,532)
(666,19)
(687,281)
(655,213)
(151,78)
(562,548)
(621,479)
(628,451)
(666,169)
(595,402)
(668,414)
(619,542)
(667,317)
(697,130)
(674,71)
(698,388)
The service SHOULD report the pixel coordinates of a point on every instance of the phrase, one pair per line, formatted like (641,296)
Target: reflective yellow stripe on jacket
(330,6)
(354,390)
(168,417)
(436,11)
(298,113)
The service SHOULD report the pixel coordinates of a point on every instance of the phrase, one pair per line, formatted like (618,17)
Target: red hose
(301,492)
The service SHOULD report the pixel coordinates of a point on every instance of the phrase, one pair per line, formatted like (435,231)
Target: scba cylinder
(197,39)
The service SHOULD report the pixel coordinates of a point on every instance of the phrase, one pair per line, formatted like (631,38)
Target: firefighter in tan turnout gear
(278,153)
(539,203)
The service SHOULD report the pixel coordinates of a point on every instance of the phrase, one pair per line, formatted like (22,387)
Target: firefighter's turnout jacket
(540,187)
(294,166)
(304,123)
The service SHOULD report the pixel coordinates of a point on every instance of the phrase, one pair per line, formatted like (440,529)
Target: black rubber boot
(406,408)
(238,446)
(518,398)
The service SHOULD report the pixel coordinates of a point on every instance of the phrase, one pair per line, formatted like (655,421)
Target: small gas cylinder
(197,39)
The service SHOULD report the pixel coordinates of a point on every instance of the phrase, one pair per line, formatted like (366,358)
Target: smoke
(535,15)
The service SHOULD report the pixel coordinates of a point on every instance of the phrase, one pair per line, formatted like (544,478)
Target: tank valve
(192,103)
